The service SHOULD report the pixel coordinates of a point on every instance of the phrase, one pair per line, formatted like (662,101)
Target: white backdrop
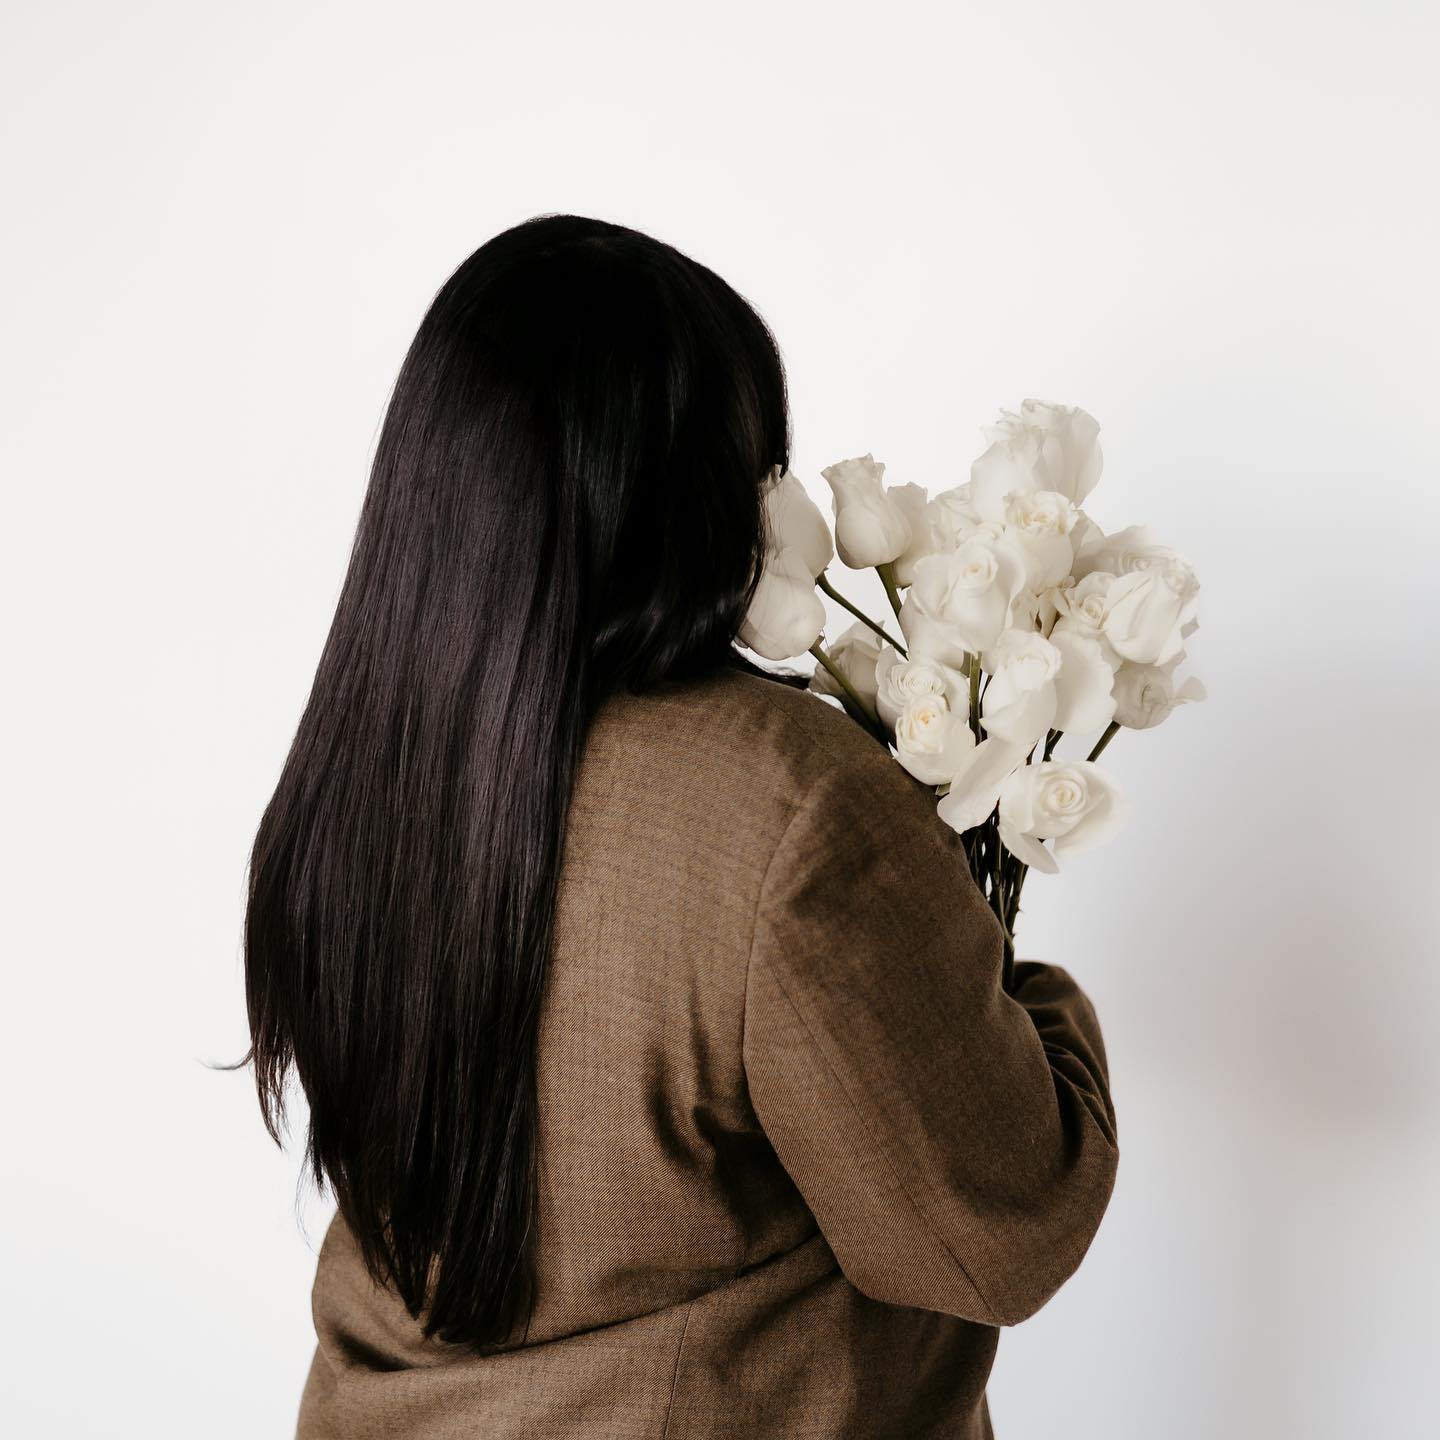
(1214,227)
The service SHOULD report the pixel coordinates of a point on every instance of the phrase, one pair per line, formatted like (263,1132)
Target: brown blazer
(800,1155)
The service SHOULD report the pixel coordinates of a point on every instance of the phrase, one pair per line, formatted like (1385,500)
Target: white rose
(1072,802)
(794,520)
(960,600)
(1150,609)
(1146,694)
(924,537)
(1020,700)
(1044,447)
(1120,553)
(870,528)
(786,616)
(1084,688)
(976,786)
(1082,608)
(855,653)
(953,517)
(899,681)
(932,741)
(1152,602)
(1040,522)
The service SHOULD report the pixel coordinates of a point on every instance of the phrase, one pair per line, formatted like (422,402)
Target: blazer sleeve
(956,1143)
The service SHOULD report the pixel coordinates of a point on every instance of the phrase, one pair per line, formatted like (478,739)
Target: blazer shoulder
(741,755)
(788,737)
(804,725)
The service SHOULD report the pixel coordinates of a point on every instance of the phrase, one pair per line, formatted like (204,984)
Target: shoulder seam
(760,889)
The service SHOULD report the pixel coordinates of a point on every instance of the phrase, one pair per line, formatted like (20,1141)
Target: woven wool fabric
(800,1155)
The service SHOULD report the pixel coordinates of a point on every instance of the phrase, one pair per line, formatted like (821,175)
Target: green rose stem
(886,573)
(1002,898)
(990,863)
(997,891)
(828,589)
(861,710)
(1012,913)
(1104,740)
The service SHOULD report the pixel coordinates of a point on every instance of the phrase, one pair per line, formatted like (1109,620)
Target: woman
(650,1022)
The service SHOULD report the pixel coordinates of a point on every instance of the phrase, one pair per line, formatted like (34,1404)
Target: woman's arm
(955,1143)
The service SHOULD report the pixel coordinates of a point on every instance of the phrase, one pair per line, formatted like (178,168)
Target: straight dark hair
(565,499)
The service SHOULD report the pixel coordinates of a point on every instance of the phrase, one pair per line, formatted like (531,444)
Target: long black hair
(565,499)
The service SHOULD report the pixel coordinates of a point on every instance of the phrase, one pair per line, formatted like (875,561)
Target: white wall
(1214,227)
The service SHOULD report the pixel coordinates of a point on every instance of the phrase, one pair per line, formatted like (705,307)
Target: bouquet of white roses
(1021,622)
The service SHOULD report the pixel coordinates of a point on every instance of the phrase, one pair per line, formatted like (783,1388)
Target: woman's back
(798,1155)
